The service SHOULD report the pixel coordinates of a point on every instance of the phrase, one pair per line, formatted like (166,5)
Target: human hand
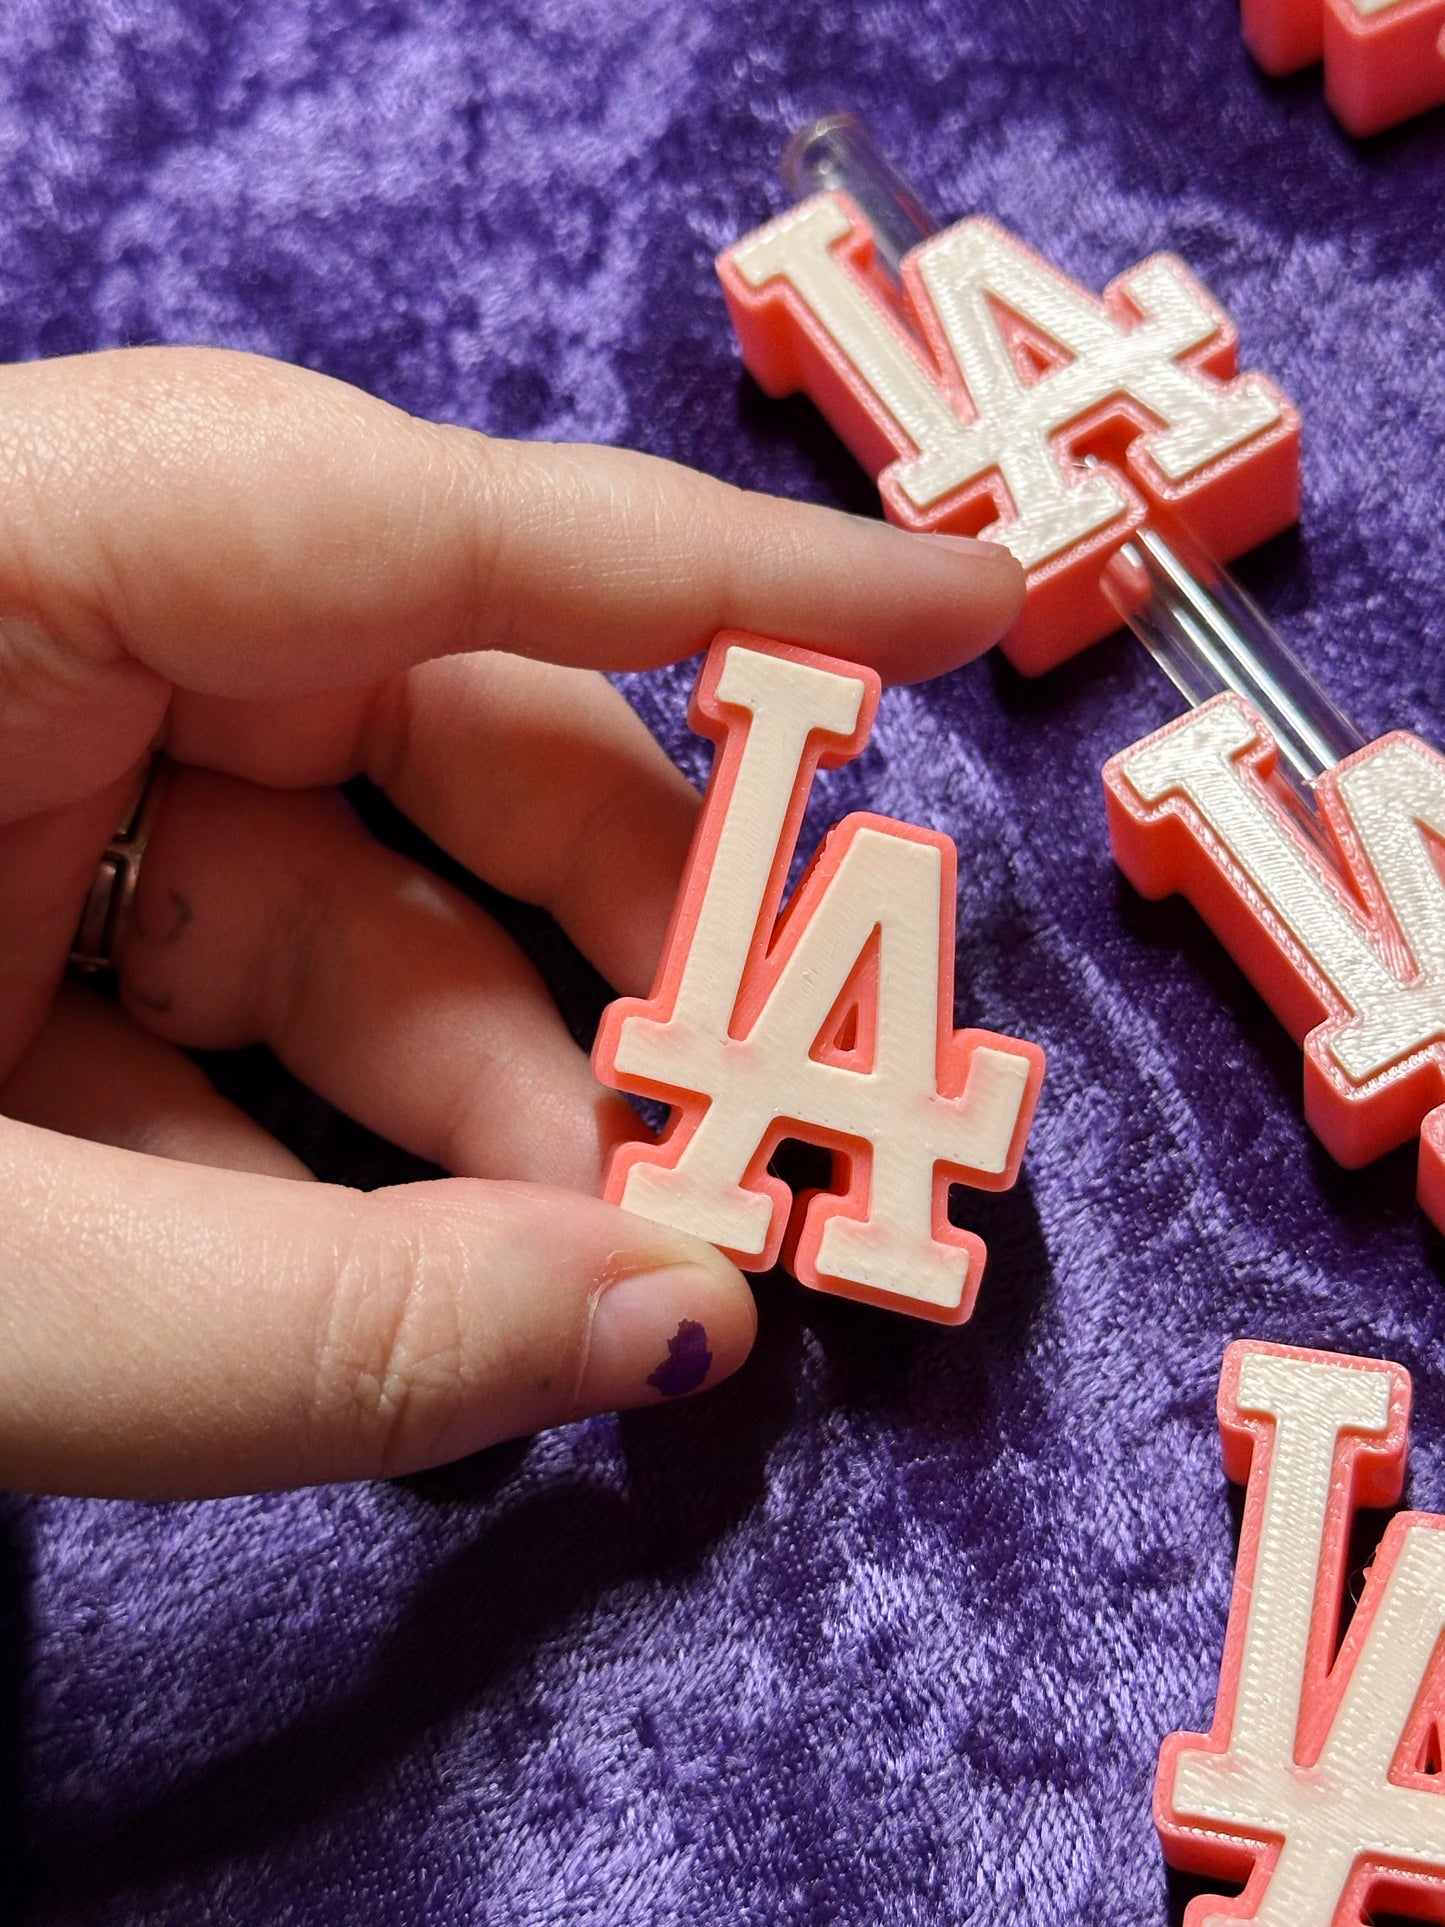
(286,582)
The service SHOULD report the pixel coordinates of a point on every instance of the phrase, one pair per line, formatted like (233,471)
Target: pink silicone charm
(977,399)
(1384,59)
(832,1023)
(1343,934)
(1319,1783)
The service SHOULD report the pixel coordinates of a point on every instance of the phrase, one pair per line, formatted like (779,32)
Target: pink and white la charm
(1320,1782)
(1384,59)
(1340,927)
(832,1022)
(977,396)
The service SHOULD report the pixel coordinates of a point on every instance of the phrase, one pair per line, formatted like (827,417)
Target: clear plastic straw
(1208,634)
(837,154)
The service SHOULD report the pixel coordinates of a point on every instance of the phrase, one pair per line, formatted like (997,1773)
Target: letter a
(1320,1782)
(833,1024)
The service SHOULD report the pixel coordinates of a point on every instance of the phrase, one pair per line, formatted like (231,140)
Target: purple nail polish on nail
(687,1364)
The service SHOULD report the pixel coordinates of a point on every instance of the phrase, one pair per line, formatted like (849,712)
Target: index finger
(246,528)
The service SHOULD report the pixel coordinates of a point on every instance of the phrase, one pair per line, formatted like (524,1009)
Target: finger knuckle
(391,1370)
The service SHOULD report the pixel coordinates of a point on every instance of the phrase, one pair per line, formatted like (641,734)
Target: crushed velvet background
(889,1630)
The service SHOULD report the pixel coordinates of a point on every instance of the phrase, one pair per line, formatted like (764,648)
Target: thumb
(171,1331)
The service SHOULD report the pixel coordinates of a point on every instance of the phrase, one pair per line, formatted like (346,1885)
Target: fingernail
(970,545)
(650,1339)
(980,550)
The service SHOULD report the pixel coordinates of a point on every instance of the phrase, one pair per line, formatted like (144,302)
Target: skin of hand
(285,582)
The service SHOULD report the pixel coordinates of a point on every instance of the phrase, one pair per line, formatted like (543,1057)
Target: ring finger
(94,1073)
(263,916)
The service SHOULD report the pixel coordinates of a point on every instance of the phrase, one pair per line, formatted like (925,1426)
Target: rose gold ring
(112,891)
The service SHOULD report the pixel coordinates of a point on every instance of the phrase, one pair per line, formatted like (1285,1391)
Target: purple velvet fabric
(889,1629)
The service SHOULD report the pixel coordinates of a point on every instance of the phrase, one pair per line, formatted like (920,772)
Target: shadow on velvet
(549,1558)
(877,1361)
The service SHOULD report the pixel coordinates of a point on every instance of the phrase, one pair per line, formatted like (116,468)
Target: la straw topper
(1319,1784)
(991,395)
(829,1019)
(1338,922)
